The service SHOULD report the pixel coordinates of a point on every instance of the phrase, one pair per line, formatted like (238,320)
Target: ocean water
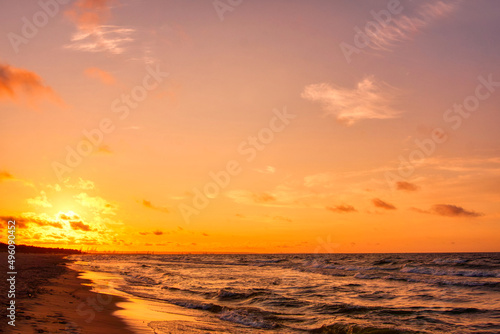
(315,293)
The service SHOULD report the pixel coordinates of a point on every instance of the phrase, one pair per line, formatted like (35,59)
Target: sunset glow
(170,126)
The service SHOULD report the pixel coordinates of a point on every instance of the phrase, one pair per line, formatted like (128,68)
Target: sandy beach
(51,298)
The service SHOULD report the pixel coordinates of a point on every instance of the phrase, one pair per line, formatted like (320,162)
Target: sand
(51,298)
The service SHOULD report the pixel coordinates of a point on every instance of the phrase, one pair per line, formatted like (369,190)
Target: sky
(251,126)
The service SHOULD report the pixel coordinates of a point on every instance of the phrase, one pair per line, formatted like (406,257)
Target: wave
(448,272)
(438,281)
(248,316)
(226,294)
(197,305)
(447,261)
(464,310)
(340,328)
(190,291)
(140,280)
(365,276)
(342,308)
(255,318)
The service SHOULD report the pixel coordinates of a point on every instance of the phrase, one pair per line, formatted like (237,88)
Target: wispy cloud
(104,149)
(88,14)
(371,99)
(101,75)
(263,198)
(485,165)
(383,205)
(404,27)
(341,208)
(449,210)
(23,86)
(266,170)
(150,205)
(156,232)
(107,38)
(406,186)
(94,35)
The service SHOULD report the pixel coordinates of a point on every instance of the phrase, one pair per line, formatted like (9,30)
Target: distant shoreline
(68,251)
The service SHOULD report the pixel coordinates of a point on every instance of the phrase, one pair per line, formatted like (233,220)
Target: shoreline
(52,298)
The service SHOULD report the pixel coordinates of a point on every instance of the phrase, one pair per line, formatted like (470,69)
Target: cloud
(31,218)
(291,194)
(68,216)
(263,198)
(40,200)
(287,195)
(251,198)
(406,186)
(449,210)
(102,39)
(133,127)
(321,179)
(370,99)
(101,75)
(266,170)
(483,165)
(383,205)
(89,14)
(45,222)
(81,184)
(4,176)
(97,203)
(402,27)
(419,210)
(156,232)
(93,35)
(55,187)
(74,221)
(17,83)
(150,205)
(20,222)
(104,149)
(341,208)
(65,228)
(79,225)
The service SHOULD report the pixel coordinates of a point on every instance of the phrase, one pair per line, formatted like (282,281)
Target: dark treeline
(39,250)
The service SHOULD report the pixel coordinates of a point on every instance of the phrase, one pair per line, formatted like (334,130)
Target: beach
(51,298)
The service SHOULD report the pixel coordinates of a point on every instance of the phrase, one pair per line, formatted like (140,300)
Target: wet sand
(51,298)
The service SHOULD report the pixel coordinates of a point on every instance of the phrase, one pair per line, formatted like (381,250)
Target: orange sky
(291,126)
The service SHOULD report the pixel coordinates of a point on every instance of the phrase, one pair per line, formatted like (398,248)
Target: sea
(302,293)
